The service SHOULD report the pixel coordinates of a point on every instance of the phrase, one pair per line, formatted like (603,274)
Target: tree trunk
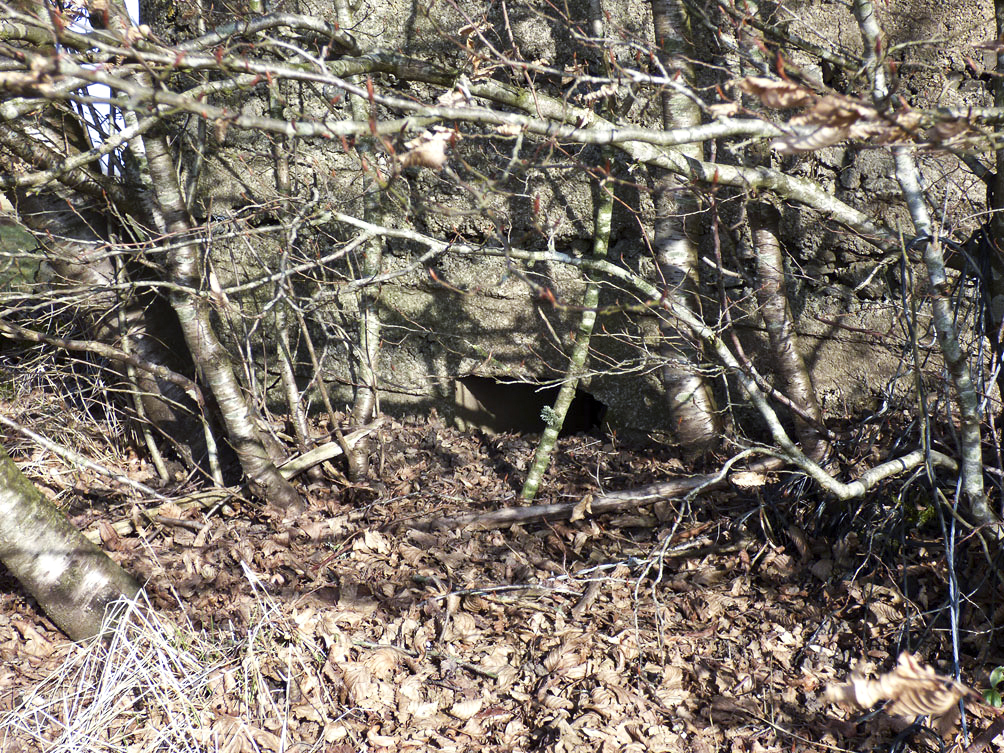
(71,220)
(773,299)
(80,259)
(70,578)
(580,350)
(696,422)
(209,355)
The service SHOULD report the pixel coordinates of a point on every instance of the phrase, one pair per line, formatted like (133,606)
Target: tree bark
(696,423)
(773,299)
(209,355)
(70,220)
(70,578)
(81,260)
(580,350)
(365,404)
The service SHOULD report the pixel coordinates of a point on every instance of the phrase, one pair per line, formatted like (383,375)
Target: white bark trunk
(70,578)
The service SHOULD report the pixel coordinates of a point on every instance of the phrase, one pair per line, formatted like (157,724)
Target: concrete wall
(478,314)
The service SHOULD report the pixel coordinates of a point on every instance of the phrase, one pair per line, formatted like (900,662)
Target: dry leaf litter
(716,627)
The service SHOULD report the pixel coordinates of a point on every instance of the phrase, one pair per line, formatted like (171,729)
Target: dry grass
(155,685)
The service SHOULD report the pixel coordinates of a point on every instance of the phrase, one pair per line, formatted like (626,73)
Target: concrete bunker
(495,407)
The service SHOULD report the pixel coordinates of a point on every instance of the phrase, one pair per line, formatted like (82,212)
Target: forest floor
(714,625)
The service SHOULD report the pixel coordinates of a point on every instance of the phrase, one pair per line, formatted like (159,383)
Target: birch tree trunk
(83,260)
(70,220)
(70,578)
(209,355)
(695,420)
(365,404)
(772,296)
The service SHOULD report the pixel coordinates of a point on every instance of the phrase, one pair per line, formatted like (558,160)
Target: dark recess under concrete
(496,407)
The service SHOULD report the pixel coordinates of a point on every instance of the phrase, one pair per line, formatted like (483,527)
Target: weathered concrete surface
(479,315)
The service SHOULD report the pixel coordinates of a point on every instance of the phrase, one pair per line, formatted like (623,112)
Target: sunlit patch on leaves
(466,709)
(724,109)
(747,479)
(912,689)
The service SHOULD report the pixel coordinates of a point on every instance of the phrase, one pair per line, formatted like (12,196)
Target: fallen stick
(326,451)
(605,503)
(630,498)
